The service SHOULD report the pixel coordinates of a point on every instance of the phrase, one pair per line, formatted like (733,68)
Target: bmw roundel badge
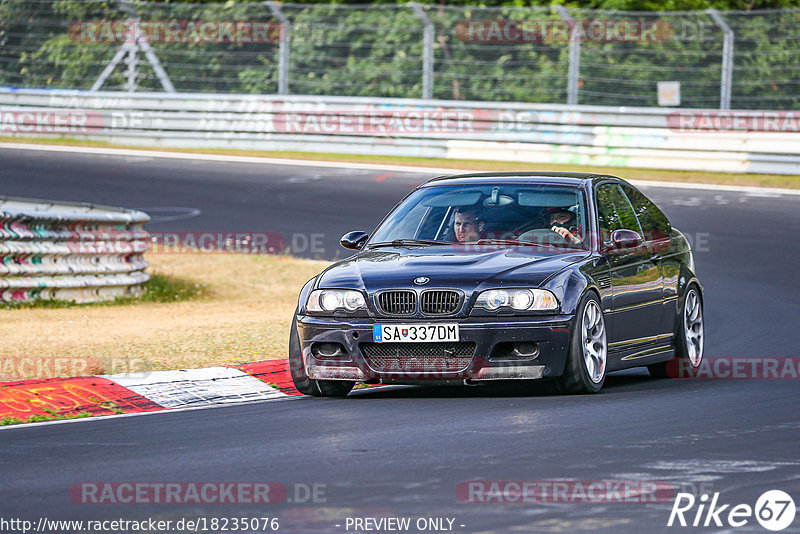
(421,280)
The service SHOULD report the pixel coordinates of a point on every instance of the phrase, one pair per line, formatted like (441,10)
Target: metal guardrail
(70,251)
(711,59)
(534,133)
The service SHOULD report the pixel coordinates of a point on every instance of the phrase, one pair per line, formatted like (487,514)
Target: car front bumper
(489,359)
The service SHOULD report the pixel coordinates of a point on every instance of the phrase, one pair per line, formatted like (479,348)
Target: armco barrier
(70,251)
(681,139)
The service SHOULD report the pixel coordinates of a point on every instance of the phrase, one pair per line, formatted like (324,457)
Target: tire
(689,340)
(587,360)
(310,386)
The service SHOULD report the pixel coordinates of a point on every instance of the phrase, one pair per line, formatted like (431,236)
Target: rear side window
(655,224)
(614,212)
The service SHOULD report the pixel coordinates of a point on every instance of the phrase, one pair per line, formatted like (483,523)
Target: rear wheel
(588,355)
(689,338)
(310,386)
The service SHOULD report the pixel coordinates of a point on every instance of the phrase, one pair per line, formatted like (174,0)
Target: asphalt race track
(401,452)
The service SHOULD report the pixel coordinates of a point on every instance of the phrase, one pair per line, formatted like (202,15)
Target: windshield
(500,214)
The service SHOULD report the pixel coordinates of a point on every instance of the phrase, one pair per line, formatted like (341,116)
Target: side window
(433,224)
(655,224)
(614,212)
(408,226)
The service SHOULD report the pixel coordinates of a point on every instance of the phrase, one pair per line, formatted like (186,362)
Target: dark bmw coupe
(503,276)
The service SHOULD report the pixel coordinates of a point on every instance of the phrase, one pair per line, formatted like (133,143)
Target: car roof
(544,177)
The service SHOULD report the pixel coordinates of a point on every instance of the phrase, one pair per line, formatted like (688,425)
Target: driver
(468,224)
(564,223)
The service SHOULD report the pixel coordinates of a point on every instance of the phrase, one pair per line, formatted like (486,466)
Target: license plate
(414,333)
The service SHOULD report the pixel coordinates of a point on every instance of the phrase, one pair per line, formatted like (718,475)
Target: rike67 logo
(774,510)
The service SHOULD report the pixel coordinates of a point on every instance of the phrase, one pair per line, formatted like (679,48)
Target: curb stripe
(197,387)
(275,372)
(145,392)
(68,397)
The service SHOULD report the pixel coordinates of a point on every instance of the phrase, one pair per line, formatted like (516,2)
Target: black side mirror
(354,240)
(622,239)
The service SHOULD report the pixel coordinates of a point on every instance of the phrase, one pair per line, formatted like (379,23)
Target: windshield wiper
(406,242)
(516,242)
(511,242)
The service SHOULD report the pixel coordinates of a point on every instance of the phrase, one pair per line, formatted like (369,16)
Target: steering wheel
(530,225)
(542,235)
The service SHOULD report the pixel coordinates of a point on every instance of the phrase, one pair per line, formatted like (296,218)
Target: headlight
(330,300)
(517,299)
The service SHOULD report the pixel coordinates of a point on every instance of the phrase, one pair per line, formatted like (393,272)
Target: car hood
(447,266)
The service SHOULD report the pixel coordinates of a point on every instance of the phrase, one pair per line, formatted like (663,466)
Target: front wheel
(310,386)
(689,339)
(588,354)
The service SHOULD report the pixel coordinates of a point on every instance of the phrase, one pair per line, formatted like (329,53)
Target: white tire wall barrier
(70,251)
(662,138)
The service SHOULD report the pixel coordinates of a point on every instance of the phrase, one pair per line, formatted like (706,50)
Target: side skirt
(660,352)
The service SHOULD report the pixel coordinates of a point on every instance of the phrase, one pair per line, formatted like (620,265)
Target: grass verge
(160,288)
(758,180)
(201,310)
(53,416)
